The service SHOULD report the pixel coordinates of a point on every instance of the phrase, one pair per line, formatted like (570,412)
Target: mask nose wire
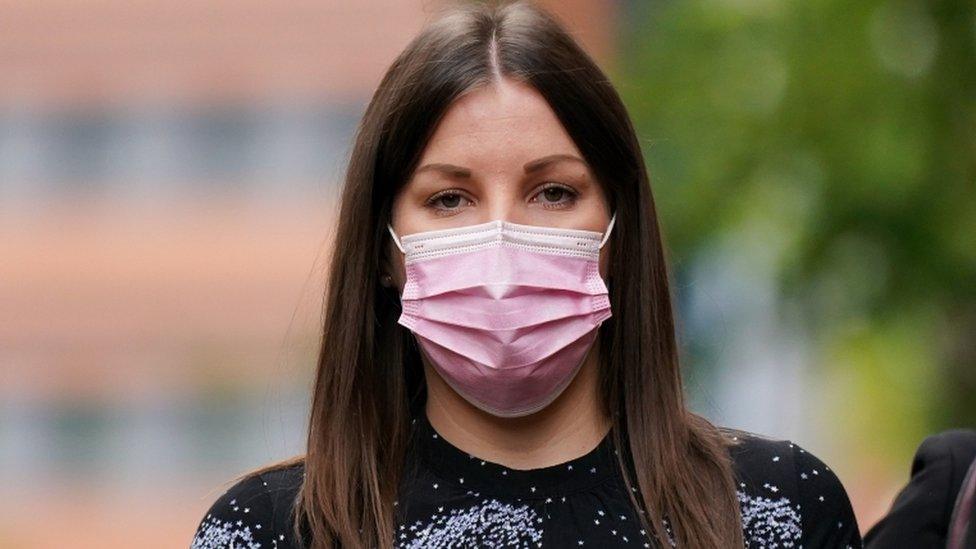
(396,240)
(606,235)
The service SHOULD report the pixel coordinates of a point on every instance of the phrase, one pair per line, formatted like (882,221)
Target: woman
(498,363)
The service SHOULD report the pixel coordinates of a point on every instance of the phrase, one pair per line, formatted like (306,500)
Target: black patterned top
(449,498)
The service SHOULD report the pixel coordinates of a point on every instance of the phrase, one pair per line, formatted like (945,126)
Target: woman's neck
(569,427)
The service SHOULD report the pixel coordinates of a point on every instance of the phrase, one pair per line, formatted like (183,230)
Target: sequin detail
(770,522)
(489,523)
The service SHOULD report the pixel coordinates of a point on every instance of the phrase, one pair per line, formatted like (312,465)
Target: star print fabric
(238,519)
(821,489)
(254,513)
(790,498)
(449,498)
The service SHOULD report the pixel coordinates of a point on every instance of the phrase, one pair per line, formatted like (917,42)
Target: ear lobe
(386,266)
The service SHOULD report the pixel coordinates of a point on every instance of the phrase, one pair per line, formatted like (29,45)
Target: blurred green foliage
(835,142)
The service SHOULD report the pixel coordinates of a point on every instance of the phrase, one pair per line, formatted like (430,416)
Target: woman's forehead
(501,126)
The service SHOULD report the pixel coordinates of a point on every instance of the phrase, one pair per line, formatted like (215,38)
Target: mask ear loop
(606,235)
(396,240)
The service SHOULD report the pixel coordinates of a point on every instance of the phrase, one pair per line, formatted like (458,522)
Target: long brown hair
(370,379)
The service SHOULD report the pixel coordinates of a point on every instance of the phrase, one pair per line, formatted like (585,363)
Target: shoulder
(921,510)
(954,450)
(939,465)
(254,512)
(789,495)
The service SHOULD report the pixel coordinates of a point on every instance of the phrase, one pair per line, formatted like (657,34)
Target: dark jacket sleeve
(962,525)
(919,516)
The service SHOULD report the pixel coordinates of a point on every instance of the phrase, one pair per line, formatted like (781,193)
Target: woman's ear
(386,269)
(390,268)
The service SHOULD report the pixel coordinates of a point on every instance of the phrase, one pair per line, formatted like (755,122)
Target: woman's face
(499,153)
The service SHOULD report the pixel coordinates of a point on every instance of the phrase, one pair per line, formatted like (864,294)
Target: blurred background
(168,183)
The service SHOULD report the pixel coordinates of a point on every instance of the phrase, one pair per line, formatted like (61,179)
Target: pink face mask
(506,313)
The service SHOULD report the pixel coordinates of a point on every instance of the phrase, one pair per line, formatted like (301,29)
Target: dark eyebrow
(450,170)
(459,172)
(540,163)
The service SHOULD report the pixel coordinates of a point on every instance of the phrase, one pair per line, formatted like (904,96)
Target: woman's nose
(502,210)
(502,205)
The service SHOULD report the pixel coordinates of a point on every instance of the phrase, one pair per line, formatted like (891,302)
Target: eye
(447,201)
(555,195)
